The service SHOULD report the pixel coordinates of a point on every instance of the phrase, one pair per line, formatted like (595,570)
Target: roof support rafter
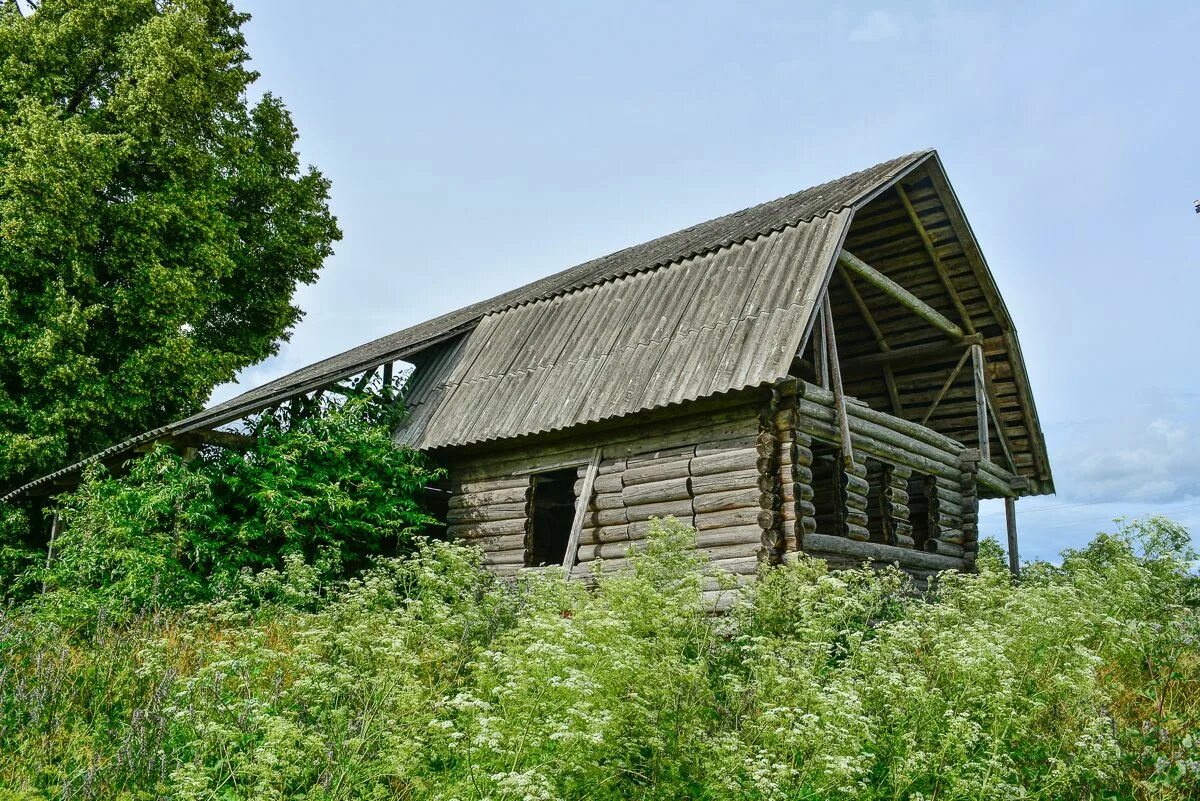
(901,295)
(942,272)
(889,377)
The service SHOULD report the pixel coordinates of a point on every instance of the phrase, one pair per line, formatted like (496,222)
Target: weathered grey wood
(490,484)
(658,470)
(944,547)
(592,535)
(821,349)
(1010,520)
(938,266)
(909,355)
(723,482)
(515,494)
(732,499)
(901,295)
(709,447)
(489,528)
(981,414)
(673,489)
(889,376)
(725,462)
(729,535)
(480,514)
(878,552)
(946,386)
(55,529)
(725,518)
(581,507)
(839,395)
(679,509)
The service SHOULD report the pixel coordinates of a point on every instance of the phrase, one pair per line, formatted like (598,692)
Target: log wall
(759,477)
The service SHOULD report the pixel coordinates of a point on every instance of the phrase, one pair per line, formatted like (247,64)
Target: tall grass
(427,678)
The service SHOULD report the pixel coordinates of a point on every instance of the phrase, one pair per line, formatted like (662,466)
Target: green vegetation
(154,223)
(329,489)
(424,677)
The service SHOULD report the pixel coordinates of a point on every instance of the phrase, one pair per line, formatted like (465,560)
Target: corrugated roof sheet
(846,192)
(726,320)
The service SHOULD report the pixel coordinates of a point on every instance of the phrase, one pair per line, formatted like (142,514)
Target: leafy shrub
(427,678)
(330,488)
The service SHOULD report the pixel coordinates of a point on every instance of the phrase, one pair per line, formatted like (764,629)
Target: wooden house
(831,372)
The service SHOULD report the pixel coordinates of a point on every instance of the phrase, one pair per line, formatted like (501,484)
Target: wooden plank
(942,272)
(839,396)
(878,552)
(981,413)
(917,354)
(581,507)
(901,295)
(1010,520)
(946,386)
(889,377)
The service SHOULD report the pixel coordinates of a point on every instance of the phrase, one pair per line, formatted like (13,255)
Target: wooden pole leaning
(835,374)
(581,505)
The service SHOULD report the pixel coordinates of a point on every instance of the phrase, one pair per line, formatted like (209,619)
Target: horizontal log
(657,471)
(944,548)
(508,542)
(725,482)
(490,484)
(672,489)
(641,528)
(733,499)
(732,535)
(725,462)
(607,517)
(593,536)
(878,552)
(479,514)
(489,497)
(745,516)
(611,482)
(608,500)
(737,565)
(491,528)
(682,508)
(674,452)
(710,446)
(515,557)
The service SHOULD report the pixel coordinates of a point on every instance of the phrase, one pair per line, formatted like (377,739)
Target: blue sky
(475,147)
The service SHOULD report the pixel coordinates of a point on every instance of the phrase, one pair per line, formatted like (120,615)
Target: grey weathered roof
(847,192)
(726,320)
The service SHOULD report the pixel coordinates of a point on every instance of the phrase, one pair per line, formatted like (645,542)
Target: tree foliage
(329,489)
(154,223)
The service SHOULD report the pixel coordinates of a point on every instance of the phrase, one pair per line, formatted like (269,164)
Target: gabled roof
(642,327)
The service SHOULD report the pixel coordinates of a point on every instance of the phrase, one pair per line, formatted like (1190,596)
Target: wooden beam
(839,395)
(1010,519)
(581,506)
(993,404)
(55,528)
(910,354)
(821,350)
(946,386)
(889,377)
(942,272)
(981,413)
(901,295)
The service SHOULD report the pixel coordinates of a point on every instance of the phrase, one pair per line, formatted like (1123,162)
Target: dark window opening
(826,469)
(553,514)
(919,488)
(876,512)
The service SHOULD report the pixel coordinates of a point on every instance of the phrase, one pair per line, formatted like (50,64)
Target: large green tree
(154,222)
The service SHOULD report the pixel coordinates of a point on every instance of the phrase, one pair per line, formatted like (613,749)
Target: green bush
(426,678)
(331,489)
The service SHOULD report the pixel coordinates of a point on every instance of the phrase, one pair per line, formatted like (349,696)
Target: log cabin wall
(910,497)
(715,469)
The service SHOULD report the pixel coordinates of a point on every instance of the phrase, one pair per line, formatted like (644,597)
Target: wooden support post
(901,295)
(581,507)
(55,529)
(387,380)
(981,413)
(821,349)
(1010,519)
(839,396)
